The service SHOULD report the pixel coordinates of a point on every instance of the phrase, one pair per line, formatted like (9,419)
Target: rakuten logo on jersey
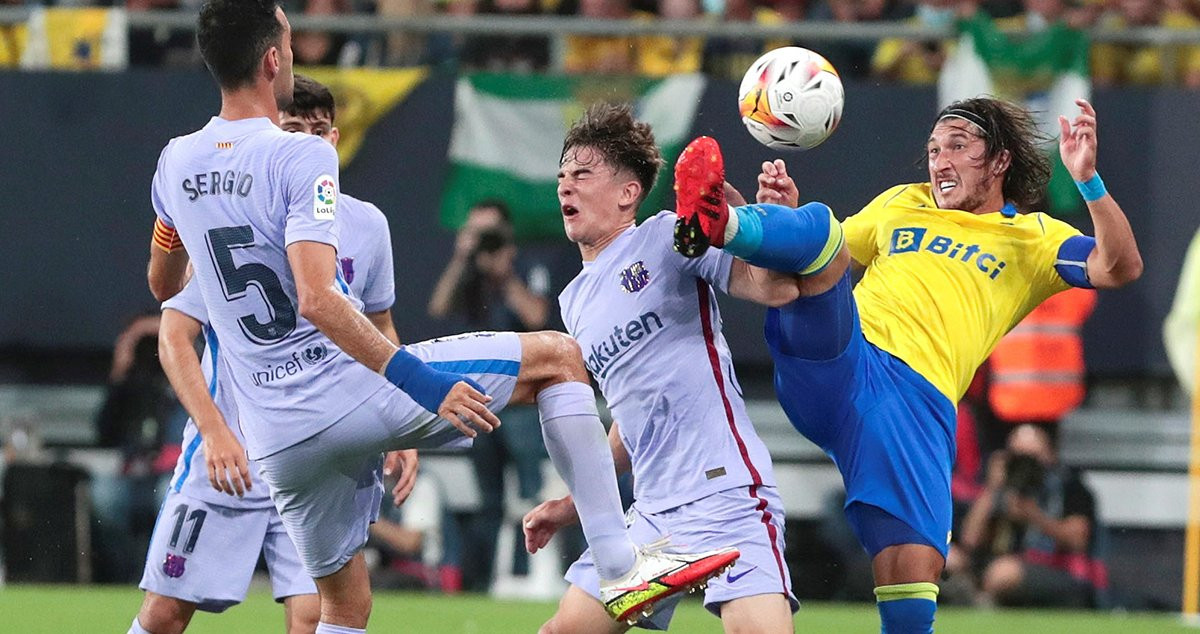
(600,356)
(299,362)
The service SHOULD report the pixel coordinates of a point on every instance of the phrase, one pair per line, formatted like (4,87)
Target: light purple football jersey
(239,192)
(366,265)
(647,320)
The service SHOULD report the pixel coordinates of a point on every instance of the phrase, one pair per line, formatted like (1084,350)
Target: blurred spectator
(663,55)
(494,291)
(915,61)
(161,46)
(1114,63)
(507,53)
(1183,322)
(318,47)
(729,58)
(601,54)
(406,49)
(12,39)
(852,59)
(141,416)
(1032,533)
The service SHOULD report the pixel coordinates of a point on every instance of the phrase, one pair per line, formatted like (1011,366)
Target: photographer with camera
(487,284)
(1031,532)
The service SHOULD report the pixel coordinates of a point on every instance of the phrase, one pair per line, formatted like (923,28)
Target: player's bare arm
(1116,260)
(313,266)
(167,271)
(228,470)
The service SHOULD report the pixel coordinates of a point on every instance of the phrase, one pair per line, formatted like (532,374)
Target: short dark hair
(311,99)
(234,35)
(500,206)
(622,141)
(1007,126)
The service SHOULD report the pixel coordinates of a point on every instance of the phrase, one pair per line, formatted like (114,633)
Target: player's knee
(1002,575)
(165,615)
(552,357)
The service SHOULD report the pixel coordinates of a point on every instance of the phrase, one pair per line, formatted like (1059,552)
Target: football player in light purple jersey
(319,391)
(232,505)
(647,320)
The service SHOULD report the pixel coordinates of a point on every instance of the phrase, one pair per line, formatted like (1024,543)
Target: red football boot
(700,198)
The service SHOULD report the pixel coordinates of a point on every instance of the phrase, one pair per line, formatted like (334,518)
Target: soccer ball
(791,98)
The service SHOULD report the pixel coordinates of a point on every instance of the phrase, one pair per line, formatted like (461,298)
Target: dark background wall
(78,152)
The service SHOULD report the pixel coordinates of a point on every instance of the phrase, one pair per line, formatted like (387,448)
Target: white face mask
(937,17)
(714,7)
(1036,21)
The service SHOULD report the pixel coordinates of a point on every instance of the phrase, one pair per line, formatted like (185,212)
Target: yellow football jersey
(942,286)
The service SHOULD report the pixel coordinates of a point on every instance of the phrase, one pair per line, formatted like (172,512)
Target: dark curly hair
(234,35)
(622,141)
(1007,126)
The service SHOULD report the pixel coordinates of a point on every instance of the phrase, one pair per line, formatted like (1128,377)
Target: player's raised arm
(228,470)
(1115,261)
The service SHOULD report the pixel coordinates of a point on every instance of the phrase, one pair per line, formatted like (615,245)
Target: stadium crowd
(895,59)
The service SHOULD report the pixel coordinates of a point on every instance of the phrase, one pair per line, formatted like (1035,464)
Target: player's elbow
(162,288)
(313,303)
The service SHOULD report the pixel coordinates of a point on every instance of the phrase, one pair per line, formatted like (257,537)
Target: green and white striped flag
(1045,69)
(509,129)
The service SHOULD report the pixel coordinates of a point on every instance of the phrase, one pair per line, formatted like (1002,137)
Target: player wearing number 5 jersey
(207,540)
(319,391)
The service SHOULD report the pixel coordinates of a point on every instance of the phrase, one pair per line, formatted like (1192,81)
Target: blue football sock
(803,240)
(907,608)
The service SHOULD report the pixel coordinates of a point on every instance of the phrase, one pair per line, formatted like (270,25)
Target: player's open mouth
(946,186)
(569,210)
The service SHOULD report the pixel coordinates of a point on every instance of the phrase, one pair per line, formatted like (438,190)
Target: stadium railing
(558,28)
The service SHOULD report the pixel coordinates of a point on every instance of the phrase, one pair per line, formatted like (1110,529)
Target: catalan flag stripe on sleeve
(165,238)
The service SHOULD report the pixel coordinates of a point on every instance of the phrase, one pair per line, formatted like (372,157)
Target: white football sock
(578,447)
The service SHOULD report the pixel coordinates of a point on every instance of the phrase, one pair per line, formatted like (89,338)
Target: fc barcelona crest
(173,566)
(635,277)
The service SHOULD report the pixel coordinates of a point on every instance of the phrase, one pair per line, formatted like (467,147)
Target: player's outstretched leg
(803,240)
(631,579)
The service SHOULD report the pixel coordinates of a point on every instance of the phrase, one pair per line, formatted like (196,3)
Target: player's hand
(1077,145)
(401,465)
(733,196)
(775,187)
(466,408)
(545,519)
(228,469)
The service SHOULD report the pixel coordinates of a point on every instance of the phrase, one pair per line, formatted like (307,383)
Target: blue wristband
(426,385)
(1093,189)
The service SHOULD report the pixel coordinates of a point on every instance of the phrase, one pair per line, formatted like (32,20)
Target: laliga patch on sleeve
(324,197)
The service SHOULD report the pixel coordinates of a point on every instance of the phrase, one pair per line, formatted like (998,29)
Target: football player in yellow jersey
(873,376)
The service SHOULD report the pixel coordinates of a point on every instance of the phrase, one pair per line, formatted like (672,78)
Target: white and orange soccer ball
(791,98)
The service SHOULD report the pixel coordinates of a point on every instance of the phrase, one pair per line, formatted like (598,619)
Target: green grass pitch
(88,609)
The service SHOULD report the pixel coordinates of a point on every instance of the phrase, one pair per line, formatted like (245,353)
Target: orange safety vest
(1037,369)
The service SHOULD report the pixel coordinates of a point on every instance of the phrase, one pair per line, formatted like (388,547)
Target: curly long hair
(621,140)
(1007,126)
